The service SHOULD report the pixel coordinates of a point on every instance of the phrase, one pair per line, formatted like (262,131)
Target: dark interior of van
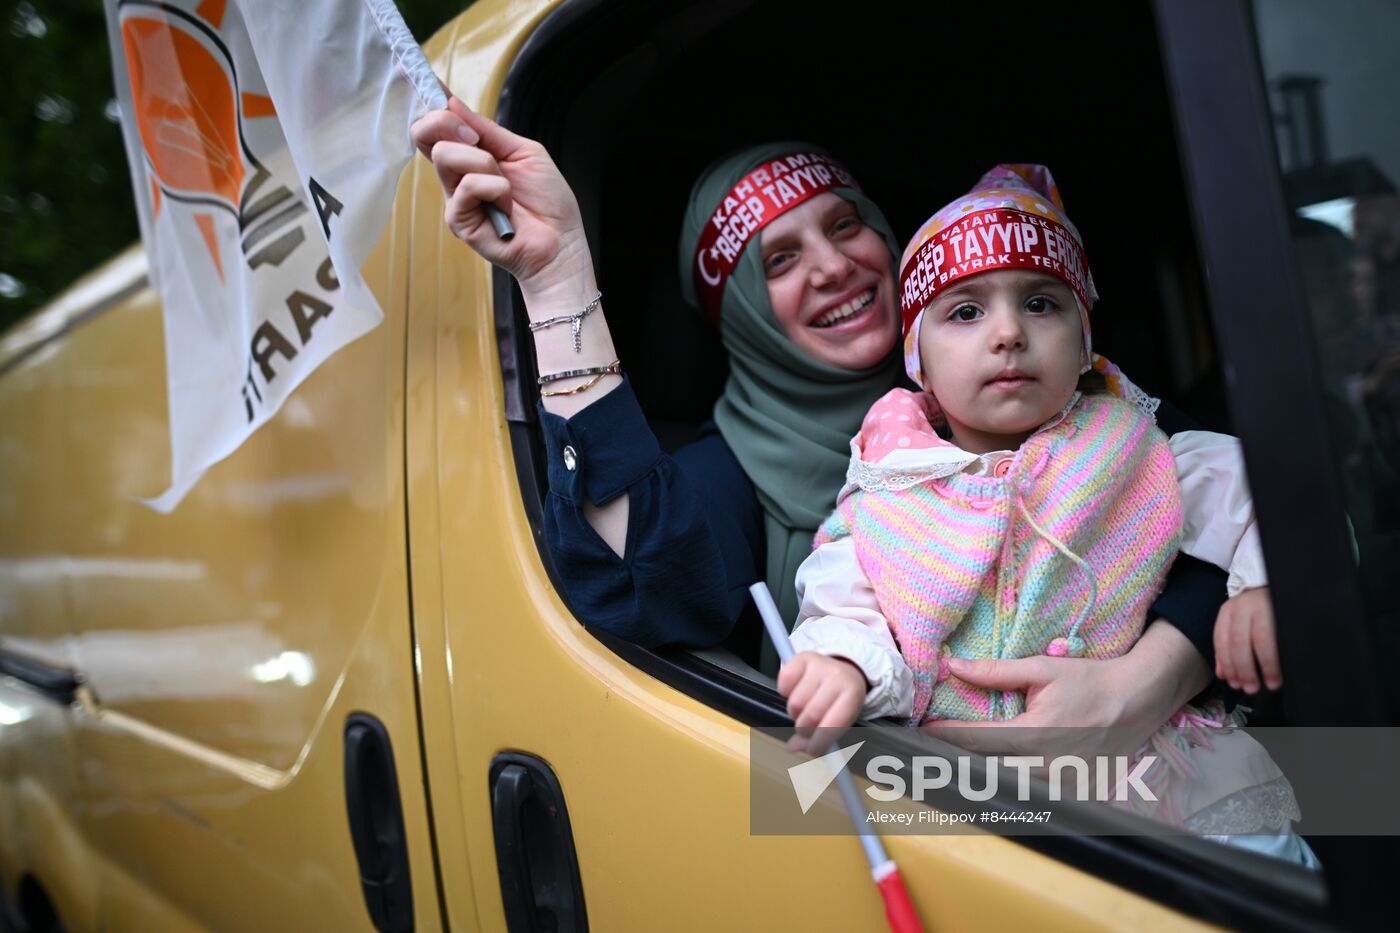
(635,99)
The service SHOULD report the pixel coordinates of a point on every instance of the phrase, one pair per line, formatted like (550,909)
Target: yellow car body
(368,551)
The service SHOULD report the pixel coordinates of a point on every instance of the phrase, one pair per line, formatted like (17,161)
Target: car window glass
(1334,86)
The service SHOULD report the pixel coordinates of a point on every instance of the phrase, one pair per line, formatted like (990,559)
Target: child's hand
(822,692)
(1244,631)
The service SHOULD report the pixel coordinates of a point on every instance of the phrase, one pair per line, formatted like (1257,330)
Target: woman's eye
(1041,305)
(776,263)
(965,313)
(847,224)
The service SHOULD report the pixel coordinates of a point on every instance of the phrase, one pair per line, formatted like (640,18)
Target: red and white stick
(899,909)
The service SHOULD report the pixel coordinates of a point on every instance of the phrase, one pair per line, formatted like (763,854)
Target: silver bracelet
(614,367)
(574,320)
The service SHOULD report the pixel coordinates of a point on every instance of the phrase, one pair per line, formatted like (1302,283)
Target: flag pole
(425,82)
(899,909)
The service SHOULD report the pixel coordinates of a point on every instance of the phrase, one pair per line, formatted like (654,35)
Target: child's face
(1001,353)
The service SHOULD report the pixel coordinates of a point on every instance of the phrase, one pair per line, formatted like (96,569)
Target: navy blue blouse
(695,532)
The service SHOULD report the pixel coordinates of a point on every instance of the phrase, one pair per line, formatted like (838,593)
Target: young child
(1045,521)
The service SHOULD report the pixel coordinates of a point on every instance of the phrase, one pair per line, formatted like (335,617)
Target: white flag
(265,139)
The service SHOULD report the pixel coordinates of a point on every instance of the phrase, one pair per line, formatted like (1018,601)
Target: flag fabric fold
(265,141)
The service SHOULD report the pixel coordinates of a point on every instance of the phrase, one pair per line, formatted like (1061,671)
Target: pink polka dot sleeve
(900,420)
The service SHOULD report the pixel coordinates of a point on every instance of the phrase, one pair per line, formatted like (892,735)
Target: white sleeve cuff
(840,616)
(1247,569)
(1217,511)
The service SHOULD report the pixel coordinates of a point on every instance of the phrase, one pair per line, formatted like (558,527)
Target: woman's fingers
(494,138)
(440,126)
(452,160)
(1234,657)
(474,189)
(478,161)
(463,212)
(1016,674)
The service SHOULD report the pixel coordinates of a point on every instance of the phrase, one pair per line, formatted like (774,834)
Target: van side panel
(41,841)
(225,644)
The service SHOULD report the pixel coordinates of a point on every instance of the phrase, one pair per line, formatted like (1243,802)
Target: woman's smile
(831,283)
(849,312)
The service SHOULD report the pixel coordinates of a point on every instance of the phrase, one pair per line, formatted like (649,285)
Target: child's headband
(760,197)
(989,240)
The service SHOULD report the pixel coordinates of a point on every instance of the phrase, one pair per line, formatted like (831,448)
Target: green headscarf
(788,418)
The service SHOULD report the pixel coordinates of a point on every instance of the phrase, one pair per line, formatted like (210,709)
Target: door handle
(535,856)
(57,683)
(376,824)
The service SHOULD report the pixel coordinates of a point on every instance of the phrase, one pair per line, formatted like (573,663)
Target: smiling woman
(807,314)
(831,283)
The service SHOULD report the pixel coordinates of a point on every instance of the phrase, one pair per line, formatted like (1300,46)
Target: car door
(636,762)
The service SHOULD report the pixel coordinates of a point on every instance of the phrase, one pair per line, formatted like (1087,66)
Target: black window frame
(1263,326)
(1262,322)
(1220,117)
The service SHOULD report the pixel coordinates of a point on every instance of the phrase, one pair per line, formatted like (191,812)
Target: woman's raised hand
(478,161)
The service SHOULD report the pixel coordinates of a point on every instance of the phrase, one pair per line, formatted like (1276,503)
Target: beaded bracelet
(575,321)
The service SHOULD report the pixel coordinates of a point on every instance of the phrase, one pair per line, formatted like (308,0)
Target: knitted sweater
(958,565)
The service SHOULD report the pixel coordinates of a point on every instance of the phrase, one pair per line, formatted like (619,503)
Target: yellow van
(338,689)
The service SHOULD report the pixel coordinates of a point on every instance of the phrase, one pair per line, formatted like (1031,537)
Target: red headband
(760,197)
(990,239)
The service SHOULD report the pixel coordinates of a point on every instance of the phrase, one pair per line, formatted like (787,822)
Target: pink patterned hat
(1012,218)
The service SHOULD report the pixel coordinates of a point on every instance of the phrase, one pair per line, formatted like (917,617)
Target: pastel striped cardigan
(958,567)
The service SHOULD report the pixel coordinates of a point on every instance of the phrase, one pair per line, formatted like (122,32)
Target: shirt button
(1003,466)
(570,459)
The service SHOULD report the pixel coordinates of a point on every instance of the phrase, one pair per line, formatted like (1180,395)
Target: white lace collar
(908,467)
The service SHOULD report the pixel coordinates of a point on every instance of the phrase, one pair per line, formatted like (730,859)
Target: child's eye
(965,313)
(1040,304)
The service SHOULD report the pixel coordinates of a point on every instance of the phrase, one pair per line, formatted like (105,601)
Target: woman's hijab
(788,417)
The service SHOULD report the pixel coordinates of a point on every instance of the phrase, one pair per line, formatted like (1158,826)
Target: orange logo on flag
(186,112)
(189,114)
